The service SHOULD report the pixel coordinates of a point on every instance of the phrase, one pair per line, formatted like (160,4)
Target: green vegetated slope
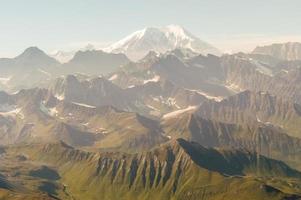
(10,191)
(176,170)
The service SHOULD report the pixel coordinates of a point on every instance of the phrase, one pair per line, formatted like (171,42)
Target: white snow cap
(160,40)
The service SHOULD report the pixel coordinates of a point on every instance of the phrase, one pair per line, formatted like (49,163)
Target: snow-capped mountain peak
(163,39)
(178,32)
(66,56)
(124,44)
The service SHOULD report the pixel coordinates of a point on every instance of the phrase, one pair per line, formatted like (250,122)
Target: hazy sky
(70,24)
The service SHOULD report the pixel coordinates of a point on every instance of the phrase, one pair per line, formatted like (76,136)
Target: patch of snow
(178,112)
(115,76)
(215,98)
(16,92)
(258,120)
(208,96)
(60,97)
(167,136)
(172,102)
(44,72)
(285,71)
(5,80)
(86,124)
(153,108)
(14,113)
(53,111)
(233,87)
(263,93)
(156,99)
(84,105)
(199,65)
(169,101)
(156,78)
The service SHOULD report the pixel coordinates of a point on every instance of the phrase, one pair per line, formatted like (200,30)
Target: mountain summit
(33,56)
(163,39)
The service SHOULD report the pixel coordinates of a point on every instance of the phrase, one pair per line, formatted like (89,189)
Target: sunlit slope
(177,170)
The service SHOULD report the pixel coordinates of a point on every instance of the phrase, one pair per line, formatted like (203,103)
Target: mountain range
(157,115)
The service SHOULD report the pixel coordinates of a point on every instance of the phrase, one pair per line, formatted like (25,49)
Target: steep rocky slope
(265,139)
(255,107)
(165,172)
(152,98)
(245,73)
(37,116)
(285,51)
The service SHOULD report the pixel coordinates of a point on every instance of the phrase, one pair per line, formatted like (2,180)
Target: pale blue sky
(70,24)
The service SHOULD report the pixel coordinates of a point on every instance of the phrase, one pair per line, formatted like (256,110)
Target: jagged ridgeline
(256,121)
(176,170)
(153,116)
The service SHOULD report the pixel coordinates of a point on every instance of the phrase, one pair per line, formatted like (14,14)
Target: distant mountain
(33,67)
(63,56)
(34,57)
(285,51)
(95,62)
(31,58)
(171,37)
(66,56)
(249,107)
